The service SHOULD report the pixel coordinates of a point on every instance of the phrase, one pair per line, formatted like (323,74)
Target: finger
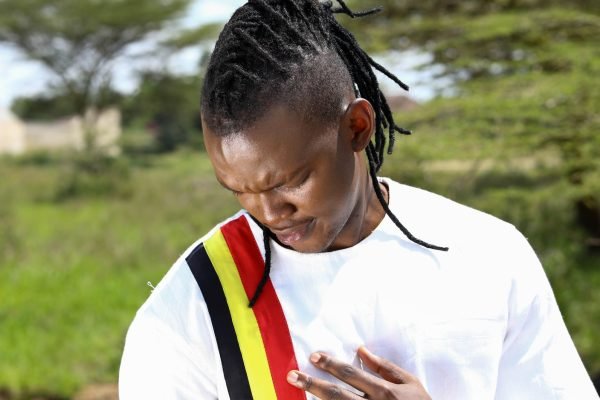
(322,389)
(385,368)
(347,373)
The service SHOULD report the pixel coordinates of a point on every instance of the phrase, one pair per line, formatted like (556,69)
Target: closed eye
(234,192)
(295,185)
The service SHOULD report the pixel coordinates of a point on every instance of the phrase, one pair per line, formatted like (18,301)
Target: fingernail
(292,377)
(315,357)
(364,352)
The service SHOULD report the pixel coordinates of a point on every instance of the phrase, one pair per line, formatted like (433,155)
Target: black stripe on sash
(229,348)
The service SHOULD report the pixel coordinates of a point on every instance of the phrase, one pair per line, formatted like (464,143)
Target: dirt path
(106,391)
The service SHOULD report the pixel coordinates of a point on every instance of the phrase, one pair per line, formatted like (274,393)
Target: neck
(374,213)
(366,216)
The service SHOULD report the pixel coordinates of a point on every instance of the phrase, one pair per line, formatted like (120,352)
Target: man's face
(298,179)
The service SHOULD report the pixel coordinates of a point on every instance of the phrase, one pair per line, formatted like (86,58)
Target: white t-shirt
(477,322)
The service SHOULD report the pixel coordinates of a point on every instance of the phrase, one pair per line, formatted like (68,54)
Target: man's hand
(394,384)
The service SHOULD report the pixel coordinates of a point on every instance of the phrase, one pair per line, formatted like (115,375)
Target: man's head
(283,127)
(289,103)
(292,52)
(303,180)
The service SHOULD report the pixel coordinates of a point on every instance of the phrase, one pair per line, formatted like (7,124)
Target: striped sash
(254,343)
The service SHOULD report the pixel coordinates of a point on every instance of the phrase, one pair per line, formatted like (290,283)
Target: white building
(12,134)
(18,137)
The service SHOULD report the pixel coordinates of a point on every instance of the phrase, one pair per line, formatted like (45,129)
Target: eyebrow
(293,174)
(223,184)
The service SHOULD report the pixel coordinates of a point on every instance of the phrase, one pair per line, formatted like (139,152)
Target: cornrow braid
(272,51)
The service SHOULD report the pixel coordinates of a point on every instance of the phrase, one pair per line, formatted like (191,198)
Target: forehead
(280,142)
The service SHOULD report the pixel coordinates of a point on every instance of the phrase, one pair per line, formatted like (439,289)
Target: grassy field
(80,236)
(74,271)
(78,246)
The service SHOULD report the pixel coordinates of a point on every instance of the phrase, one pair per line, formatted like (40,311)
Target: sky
(20,77)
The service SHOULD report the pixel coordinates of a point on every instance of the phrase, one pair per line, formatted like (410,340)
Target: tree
(167,105)
(200,35)
(78,40)
(530,63)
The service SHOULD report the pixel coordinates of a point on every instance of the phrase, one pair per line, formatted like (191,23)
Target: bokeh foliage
(73,268)
(518,138)
(77,40)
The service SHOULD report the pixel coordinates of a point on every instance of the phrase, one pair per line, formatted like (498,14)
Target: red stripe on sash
(269,314)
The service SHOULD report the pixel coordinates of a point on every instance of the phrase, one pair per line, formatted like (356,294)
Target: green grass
(74,272)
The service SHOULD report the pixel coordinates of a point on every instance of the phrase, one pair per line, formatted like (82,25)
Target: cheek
(342,180)
(331,193)
(248,204)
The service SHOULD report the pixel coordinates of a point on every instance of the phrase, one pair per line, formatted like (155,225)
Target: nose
(271,208)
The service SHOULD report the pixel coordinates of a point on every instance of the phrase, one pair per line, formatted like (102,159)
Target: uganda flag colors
(254,344)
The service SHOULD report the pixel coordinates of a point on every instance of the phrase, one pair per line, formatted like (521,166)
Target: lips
(293,234)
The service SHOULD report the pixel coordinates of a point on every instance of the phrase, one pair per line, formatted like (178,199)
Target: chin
(303,247)
(316,240)
(309,249)
(313,246)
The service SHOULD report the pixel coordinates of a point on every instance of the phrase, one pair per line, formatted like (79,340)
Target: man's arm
(158,364)
(170,350)
(539,359)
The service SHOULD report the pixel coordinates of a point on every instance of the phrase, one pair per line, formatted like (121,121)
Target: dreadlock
(274,51)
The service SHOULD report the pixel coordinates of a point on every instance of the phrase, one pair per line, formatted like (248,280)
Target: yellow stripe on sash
(244,321)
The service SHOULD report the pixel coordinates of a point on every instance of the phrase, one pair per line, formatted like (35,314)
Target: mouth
(293,234)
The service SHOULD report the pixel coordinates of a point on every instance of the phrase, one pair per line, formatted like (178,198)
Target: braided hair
(285,51)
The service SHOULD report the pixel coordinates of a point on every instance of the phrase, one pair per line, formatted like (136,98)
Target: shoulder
(480,245)
(168,348)
(439,218)
(177,296)
(176,305)
(172,331)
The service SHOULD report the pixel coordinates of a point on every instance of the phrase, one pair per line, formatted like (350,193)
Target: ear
(359,123)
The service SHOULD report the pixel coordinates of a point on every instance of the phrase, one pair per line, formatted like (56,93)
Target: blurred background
(103,179)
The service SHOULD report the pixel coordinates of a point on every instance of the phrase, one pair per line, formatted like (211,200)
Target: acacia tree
(529,67)
(77,40)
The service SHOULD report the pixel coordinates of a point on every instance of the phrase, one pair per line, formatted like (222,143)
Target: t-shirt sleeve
(539,359)
(157,364)
(170,350)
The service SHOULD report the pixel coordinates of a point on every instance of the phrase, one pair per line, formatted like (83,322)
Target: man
(317,288)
